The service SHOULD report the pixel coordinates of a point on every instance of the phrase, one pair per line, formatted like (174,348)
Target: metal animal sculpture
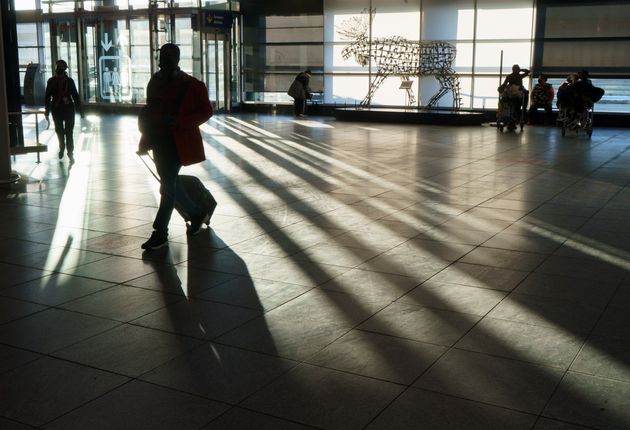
(398,56)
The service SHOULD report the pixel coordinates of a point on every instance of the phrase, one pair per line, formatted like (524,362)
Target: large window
(279,49)
(594,36)
(357,32)
(31,47)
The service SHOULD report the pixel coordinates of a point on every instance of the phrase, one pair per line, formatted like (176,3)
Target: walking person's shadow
(219,296)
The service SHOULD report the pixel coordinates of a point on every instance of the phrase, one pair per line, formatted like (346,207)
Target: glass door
(116,58)
(64,46)
(217,70)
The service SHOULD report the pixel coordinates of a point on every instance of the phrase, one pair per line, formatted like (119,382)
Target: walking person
(61,99)
(300,91)
(177,104)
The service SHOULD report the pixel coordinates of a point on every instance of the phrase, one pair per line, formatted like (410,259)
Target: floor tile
(420,323)
(48,388)
(591,401)
(368,283)
(197,318)
(180,279)
(474,275)
(219,372)
(10,357)
(378,356)
(321,397)
(63,328)
(113,269)
(492,380)
(56,289)
(141,406)
(7,424)
(434,411)
(13,274)
(547,312)
(549,424)
(552,346)
(128,350)
(12,309)
(242,419)
(253,293)
(604,357)
(277,335)
(584,291)
(614,324)
(582,268)
(504,258)
(337,255)
(59,258)
(121,303)
(454,297)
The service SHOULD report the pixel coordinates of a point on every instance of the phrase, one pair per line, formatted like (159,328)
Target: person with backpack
(541,98)
(177,104)
(60,99)
(300,91)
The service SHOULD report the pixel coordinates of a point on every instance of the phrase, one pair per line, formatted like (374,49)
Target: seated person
(542,96)
(586,94)
(583,76)
(565,94)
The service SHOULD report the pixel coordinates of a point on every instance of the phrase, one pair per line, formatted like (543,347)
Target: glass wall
(345,43)
(276,49)
(357,33)
(32,48)
(594,36)
(111,46)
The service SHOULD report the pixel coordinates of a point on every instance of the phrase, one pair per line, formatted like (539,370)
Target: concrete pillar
(5,145)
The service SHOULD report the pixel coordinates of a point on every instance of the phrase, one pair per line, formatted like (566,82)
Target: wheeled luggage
(198,193)
(194,189)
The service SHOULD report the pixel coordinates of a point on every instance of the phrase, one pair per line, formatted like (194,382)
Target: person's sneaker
(71,158)
(196,224)
(156,241)
(60,155)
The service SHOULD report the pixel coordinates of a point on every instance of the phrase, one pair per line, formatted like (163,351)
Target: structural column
(5,151)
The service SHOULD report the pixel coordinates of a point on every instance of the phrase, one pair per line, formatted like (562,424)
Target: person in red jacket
(177,104)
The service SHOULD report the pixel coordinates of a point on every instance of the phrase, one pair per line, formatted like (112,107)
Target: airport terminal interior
(366,273)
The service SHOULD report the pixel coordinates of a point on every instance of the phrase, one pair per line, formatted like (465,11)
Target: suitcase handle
(140,154)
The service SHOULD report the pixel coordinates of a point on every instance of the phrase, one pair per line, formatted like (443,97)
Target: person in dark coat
(177,104)
(300,91)
(61,99)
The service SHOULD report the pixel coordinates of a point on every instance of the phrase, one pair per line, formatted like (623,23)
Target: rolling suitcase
(195,191)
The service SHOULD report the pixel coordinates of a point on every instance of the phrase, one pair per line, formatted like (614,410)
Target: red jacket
(194,110)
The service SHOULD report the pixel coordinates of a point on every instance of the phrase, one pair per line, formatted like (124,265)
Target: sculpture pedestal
(410,116)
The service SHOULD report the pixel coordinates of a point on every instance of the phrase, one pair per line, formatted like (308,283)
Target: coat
(194,109)
(299,89)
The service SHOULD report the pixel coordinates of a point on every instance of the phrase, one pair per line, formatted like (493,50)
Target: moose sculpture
(398,56)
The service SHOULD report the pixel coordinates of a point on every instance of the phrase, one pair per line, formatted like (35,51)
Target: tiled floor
(355,276)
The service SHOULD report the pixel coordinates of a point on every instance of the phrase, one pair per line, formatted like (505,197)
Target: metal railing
(38,147)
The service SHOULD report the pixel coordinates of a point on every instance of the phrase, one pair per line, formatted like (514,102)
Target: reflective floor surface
(354,276)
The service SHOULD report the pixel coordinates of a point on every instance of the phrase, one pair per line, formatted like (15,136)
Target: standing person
(516,77)
(177,104)
(542,97)
(300,91)
(60,99)
(512,89)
